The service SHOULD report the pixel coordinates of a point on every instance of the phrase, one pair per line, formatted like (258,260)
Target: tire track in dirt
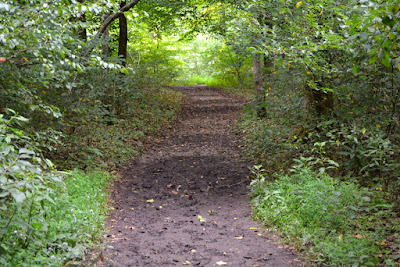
(196,170)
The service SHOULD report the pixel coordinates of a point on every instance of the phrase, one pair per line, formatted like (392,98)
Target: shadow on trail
(186,200)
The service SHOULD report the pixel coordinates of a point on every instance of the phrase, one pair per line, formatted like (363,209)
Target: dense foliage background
(81,87)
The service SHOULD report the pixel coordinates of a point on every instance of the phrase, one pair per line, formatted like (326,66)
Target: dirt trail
(195,170)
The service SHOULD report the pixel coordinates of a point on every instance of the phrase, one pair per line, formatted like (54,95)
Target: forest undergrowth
(329,186)
(52,211)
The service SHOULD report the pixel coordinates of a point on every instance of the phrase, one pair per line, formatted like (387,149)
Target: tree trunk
(123,35)
(105,47)
(257,74)
(104,26)
(114,16)
(82,33)
(259,85)
(318,102)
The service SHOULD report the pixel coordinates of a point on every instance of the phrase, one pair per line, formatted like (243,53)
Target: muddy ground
(185,201)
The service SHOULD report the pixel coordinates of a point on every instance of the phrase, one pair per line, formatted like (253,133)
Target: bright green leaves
(124,71)
(375,27)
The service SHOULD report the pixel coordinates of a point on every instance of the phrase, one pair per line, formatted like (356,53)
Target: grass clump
(338,222)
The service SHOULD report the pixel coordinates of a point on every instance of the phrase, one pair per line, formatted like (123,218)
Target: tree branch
(106,23)
(114,16)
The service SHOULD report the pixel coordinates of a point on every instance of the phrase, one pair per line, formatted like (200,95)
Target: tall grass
(338,223)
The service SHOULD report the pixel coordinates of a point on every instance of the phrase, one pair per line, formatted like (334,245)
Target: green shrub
(47,217)
(56,228)
(337,221)
(268,142)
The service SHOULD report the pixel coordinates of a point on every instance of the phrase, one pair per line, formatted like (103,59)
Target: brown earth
(193,174)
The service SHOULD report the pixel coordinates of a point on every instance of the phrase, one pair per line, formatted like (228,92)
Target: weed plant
(57,228)
(47,217)
(338,222)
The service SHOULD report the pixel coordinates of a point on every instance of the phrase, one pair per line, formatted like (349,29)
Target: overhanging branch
(114,16)
(107,22)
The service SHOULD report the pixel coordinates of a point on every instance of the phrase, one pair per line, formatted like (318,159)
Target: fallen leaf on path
(193,251)
(150,200)
(221,263)
(112,220)
(359,236)
(239,237)
(201,219)
(174,192)
(254,228)
(169,186)
(186,263)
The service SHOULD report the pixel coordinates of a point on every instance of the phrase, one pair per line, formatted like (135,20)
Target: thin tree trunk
(104,26)
(259,85)
(257,74)
(114,16)
(82,30)
(105,47)
(123,36)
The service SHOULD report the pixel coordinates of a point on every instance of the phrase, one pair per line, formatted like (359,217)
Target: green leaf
(201,219)
(372,60)
(25,151)
(20,118)
(4,194)
(18,195)
(386,62)
(37,225)
(3,250)
(355,70)
(124,71)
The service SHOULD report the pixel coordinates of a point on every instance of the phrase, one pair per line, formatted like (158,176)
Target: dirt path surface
(193,174)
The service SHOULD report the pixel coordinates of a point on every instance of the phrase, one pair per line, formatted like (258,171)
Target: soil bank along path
(185,201)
